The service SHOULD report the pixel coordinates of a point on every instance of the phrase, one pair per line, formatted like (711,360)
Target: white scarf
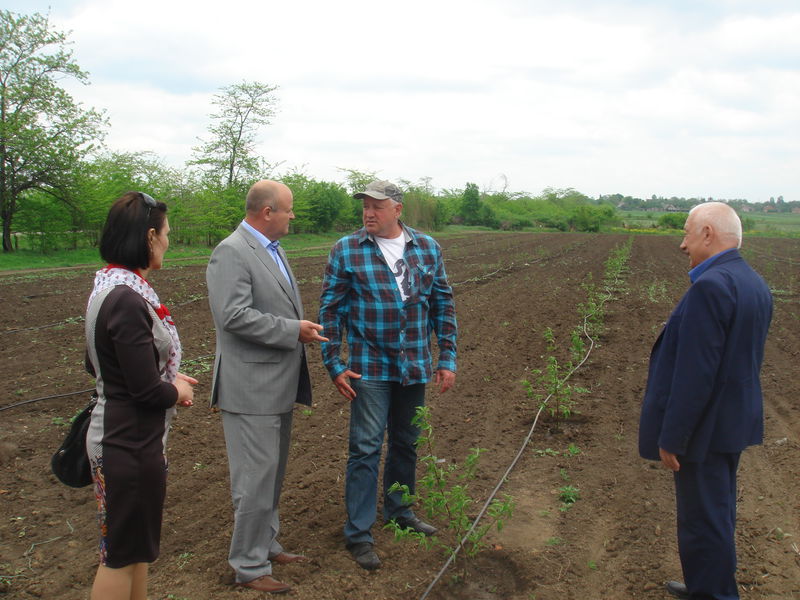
(114,275)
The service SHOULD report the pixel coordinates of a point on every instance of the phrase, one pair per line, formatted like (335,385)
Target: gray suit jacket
(260,365)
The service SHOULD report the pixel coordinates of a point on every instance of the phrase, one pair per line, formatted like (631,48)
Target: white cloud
(642,97)
(774,36)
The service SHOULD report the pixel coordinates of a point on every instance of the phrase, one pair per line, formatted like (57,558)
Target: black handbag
(70,463)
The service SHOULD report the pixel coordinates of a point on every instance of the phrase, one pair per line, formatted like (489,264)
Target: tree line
(676,204)
(203,210)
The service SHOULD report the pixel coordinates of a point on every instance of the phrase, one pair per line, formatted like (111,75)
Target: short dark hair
(124,239)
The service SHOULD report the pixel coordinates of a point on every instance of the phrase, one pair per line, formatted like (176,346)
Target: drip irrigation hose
(32,400)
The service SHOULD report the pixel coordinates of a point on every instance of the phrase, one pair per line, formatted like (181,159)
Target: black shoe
(415,523)
(365,555)
(677,589)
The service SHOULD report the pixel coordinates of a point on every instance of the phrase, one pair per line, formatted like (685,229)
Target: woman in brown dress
(134,352)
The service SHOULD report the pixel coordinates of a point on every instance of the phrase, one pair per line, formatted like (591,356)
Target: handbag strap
(92,312)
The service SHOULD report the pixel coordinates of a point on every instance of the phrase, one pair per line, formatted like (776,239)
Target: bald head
(269,207)
(710,229)
(264,193)
(722,218)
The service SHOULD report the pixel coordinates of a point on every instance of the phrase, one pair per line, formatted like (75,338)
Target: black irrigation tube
(506,474)
(35,328)
(70,321)
(513,266)
(32,400)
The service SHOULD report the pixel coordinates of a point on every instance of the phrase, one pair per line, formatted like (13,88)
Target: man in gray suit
(259,372)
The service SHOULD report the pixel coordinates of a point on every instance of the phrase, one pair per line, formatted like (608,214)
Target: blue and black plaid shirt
(387,339)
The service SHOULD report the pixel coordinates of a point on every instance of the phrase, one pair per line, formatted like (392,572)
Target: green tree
(317,204)
(471,205)
(326,202)
(229,156)
(421,209)
(566,197)
(356,182)
(47,225)
(487,216)
(44,133)
(675,220)
(207,214)
(591,218)
(109,175)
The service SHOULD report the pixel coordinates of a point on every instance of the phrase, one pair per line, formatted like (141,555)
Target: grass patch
(89,257)
(303,244)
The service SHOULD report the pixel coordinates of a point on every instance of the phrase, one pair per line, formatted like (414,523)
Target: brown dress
(127,347)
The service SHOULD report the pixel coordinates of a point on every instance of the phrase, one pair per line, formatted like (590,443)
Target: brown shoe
(266,583)
(285,558)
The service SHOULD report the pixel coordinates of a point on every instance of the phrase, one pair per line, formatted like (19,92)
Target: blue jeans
(380,406)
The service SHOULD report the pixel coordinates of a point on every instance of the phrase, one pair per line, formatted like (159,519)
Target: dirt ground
(616,541)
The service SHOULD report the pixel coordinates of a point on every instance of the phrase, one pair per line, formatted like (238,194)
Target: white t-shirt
(392,249)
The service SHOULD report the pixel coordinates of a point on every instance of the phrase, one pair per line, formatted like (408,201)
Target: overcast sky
(639,97)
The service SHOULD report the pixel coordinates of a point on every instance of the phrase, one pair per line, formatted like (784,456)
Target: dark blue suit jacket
(703,389)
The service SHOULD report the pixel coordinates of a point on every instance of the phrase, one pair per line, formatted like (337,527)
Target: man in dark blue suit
(703,402)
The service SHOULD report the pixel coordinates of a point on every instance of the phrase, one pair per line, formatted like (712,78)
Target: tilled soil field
(617,540)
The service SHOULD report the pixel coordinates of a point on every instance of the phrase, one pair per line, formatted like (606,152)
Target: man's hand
(669,460)
(445,380)
(309,332)
(343,386)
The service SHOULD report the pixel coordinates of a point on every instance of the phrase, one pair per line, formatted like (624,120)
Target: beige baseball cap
(381,190)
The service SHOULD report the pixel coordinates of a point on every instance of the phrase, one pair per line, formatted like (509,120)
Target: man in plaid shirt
(386,285)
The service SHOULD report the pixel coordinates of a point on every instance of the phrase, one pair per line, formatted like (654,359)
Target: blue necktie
(273,250)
